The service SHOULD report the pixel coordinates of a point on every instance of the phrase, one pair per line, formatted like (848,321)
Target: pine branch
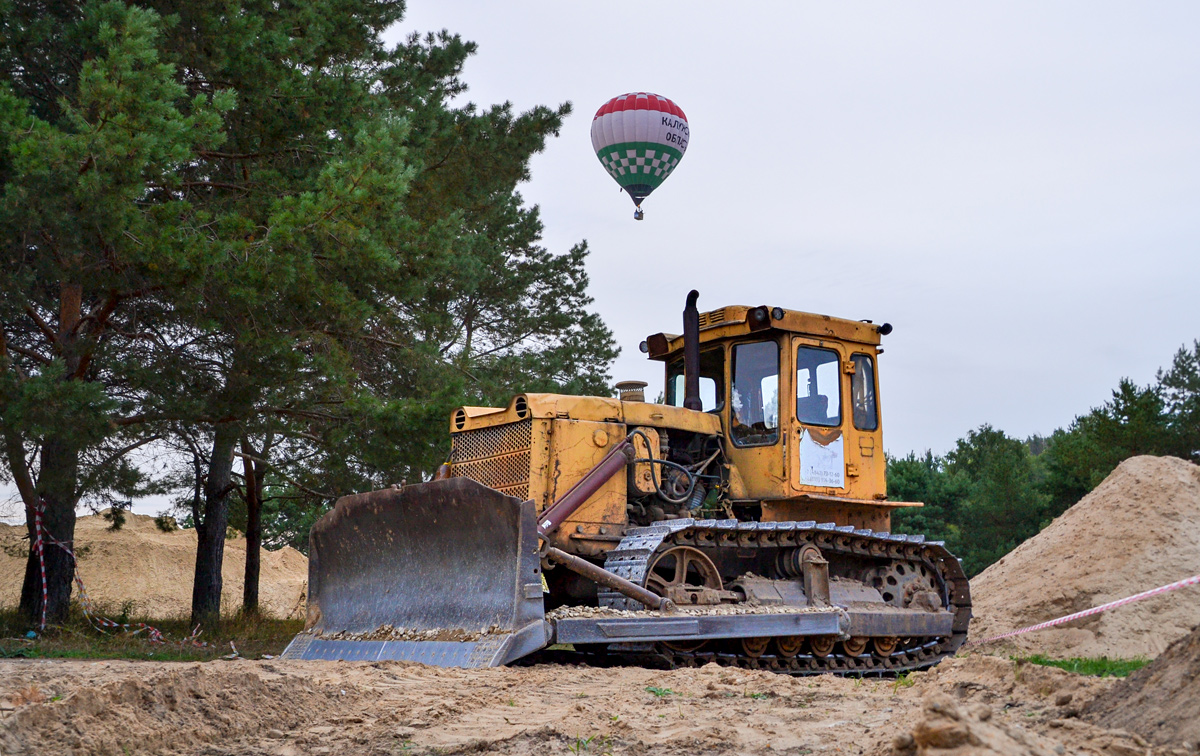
(30,354)
(45,328)
(19,467)
(295,483)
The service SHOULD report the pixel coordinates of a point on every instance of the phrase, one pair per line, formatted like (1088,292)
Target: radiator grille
(497,457)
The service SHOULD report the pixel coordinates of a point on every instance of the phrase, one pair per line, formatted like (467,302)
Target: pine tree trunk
(59,469)
(210,533)
(58,476)
(253,530)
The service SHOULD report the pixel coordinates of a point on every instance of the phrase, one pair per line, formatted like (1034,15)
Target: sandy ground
(967,705)
(151,572)
(1137,530)
(1161,700)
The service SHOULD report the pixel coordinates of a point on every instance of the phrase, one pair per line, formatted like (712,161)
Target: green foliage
(282,235)
(115,516)
(1161,419)
(1004,505)
(1093,667)
(926,480)
(80,157)
(601,743)
(96,134)
(658,692)
(982,499)
(469,309)
(1135,421)
(1180,389)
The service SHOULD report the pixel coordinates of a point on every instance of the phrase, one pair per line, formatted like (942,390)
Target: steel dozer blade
(446,573)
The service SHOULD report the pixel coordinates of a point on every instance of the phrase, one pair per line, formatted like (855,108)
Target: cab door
(754,416)
(866,464)
(820,450)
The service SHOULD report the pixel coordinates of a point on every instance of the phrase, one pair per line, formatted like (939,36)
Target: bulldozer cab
(798,399)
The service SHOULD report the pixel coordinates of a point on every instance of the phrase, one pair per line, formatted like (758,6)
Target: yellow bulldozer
(726,523)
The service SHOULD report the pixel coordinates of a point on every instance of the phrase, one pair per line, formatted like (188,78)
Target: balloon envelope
(640,137)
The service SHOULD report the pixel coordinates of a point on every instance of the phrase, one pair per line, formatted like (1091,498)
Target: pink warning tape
(1194,580)
(94,618)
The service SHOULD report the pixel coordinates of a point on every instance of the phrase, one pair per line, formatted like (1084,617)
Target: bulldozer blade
(446,573)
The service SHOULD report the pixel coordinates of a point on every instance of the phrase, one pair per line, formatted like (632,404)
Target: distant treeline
(993,491)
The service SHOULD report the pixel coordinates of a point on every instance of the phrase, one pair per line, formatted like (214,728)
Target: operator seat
(813,410)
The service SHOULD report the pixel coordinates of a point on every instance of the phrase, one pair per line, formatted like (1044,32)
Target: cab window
(818,387)
(712,380)
(862,393)
(754,397)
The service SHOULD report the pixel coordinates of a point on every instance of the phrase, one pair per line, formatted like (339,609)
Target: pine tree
(1004,504)
(359,216)
(1180,389)
(256,232)
(95,133)
(1135,421)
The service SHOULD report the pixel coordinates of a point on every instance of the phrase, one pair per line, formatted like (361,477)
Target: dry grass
(252,636)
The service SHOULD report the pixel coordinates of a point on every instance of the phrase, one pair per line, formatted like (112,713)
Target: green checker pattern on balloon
(639,162)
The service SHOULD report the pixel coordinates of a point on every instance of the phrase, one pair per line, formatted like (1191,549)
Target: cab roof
(738,320)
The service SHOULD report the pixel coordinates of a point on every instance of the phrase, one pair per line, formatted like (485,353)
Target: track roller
(823,646)
(855,646)
(755,647)
(788,646)
(883,647)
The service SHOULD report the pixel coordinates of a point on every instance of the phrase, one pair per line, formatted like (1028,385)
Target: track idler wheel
(676,570)
(683,574)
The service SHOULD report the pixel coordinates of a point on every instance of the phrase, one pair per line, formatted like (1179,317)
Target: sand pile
(1138,530)
(1160,701)
(152,570)
(159,709)
(984,705)
(948,729)
(966,706)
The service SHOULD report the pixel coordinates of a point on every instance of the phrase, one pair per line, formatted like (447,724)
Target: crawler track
(843,547)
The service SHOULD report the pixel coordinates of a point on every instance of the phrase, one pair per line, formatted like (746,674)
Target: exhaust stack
(691,353)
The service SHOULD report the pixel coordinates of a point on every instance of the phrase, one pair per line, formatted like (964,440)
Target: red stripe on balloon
(640,101)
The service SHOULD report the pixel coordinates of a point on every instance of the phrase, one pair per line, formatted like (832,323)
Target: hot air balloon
(639,137)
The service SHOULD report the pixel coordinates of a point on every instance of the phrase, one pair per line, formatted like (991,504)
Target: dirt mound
(986,705)
(150,571)
(1138,530)
(1160,701)
(992,680)
(948,727)
(975,705)
(162,709)
(954,730)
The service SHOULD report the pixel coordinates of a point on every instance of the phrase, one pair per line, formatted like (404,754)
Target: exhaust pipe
(691,353)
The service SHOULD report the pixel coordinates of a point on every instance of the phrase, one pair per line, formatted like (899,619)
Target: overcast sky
(1015,187)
